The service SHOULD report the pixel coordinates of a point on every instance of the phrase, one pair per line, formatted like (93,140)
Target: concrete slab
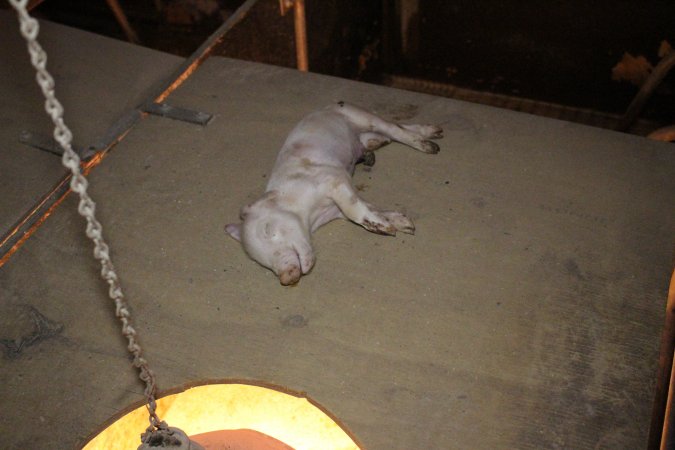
(525,313)
(98,80)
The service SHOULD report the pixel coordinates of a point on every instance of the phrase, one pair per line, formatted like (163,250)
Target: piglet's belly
(324,215)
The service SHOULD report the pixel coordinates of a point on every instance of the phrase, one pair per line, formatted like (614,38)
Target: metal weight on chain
(170,437)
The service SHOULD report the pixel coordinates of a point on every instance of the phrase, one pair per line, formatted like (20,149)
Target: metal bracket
(173,112)
(49,145)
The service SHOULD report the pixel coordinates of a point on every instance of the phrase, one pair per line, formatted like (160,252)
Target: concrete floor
(525,313)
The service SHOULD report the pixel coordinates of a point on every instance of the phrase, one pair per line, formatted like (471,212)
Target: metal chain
(86,207)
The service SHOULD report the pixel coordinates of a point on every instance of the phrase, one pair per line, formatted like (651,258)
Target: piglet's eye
(272,232)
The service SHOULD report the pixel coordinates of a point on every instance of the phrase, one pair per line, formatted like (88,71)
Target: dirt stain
(295,321)
(34,328)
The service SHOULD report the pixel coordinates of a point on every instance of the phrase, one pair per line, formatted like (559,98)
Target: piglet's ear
(234,230)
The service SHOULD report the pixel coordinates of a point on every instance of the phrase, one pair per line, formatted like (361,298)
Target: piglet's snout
(290,275)
(289,268)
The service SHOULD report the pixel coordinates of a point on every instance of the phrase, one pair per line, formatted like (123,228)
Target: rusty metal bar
(117,11)
(300,26)
(32,219)
(121,18)
(300,35)
(646,91)
(661,428)
(201,54)
(668,436)
(33,4)
(27,225)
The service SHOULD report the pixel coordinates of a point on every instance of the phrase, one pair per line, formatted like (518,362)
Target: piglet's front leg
(363,213)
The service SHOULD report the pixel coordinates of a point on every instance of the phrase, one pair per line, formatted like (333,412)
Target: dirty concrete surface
(524,313)
(99,82)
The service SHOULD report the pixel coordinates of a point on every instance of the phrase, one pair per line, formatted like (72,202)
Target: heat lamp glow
(291,419)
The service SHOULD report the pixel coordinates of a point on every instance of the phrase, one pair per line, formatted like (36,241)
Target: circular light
(212,413)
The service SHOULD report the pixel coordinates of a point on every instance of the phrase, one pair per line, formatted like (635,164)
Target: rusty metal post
(300,35)
(118,12)
(300,24)
(33,4)
(661,428)
(646,91)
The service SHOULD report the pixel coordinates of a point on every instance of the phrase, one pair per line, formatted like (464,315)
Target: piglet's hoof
(430,147)
(380,227)
(290,276)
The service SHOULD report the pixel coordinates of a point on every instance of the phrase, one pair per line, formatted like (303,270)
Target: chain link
(87,207)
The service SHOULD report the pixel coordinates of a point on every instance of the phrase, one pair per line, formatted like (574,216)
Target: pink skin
(310,185)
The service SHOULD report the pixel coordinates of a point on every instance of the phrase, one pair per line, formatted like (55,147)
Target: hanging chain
(86,207)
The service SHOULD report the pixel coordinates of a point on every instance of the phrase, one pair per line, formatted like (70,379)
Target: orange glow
(288,417)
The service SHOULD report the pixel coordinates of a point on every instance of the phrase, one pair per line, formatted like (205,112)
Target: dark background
(555,51)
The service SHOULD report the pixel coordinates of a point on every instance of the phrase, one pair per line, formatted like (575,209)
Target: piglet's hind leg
(373,141)
(426,131)
(415,136)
